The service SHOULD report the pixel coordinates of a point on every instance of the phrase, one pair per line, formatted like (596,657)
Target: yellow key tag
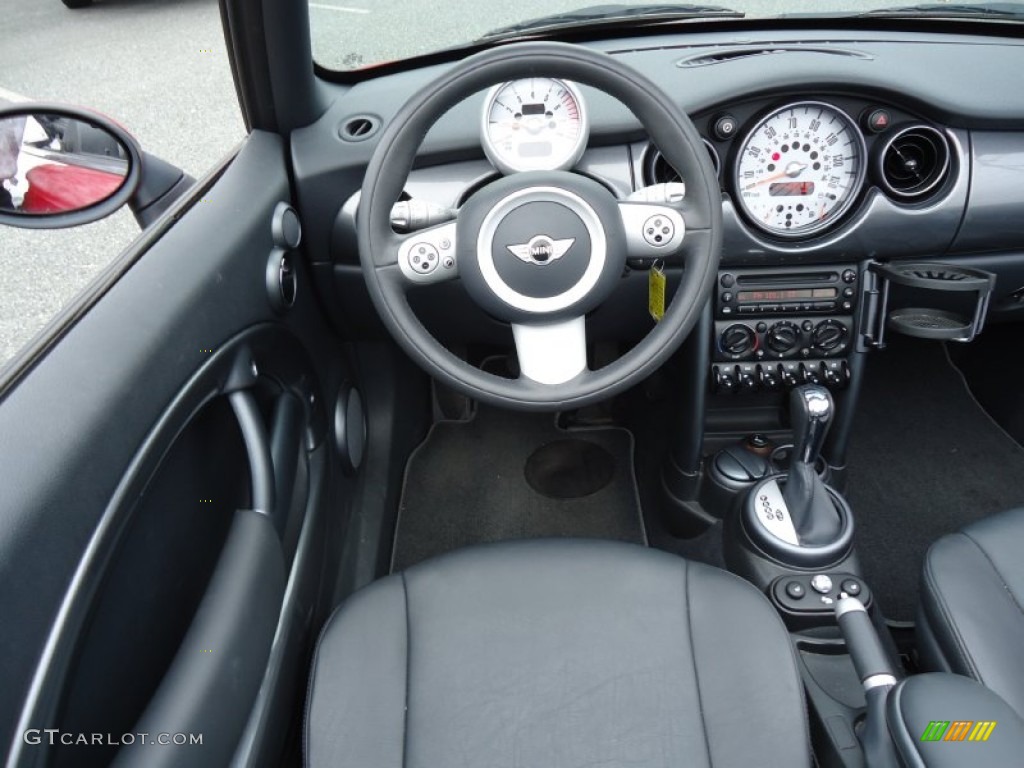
(656,292)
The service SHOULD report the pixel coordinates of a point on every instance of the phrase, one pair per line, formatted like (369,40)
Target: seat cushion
(556,653)
(972,605)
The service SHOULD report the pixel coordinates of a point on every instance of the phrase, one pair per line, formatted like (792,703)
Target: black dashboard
(939,119)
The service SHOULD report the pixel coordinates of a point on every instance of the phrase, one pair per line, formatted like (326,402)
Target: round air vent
(359,128)
(658,171)
(914,161)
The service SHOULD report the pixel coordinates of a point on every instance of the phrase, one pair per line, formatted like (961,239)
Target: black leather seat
(556,653)
(971,619)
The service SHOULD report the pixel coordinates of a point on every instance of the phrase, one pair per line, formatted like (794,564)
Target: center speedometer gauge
(536,124)
(800,169)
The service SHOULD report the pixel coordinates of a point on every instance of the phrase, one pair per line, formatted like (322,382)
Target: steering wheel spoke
(551,353)
(428,256)
(653,230)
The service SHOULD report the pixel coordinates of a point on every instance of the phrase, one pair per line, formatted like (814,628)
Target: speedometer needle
(792,171)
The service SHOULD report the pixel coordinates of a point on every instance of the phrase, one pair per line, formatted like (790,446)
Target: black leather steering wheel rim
(668,127)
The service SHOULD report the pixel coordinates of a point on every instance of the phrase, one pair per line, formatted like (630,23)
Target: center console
(793,522)
(777,329)
(772,378)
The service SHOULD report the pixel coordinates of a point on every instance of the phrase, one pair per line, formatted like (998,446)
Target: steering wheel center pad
(541,246)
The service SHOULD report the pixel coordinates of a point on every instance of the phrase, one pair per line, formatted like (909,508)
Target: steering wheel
(541,249)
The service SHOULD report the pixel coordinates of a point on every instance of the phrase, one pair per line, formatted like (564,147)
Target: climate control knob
(829,337)
(738,340)
(783,338)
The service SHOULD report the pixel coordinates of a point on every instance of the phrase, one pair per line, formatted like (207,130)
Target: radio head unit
(787,326)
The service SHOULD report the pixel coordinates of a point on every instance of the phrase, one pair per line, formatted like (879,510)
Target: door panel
(105,443)
(154,582)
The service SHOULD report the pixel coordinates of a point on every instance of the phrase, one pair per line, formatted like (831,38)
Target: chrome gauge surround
(534,124)
(800,168)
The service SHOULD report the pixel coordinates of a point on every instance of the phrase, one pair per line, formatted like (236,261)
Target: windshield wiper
(609,15)
(995,11)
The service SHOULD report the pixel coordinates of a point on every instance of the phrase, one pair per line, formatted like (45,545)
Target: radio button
(727,297)
(728,281)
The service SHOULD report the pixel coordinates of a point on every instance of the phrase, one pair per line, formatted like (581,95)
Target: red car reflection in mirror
(57,164)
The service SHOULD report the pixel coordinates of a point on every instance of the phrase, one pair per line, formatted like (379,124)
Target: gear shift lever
(810,506)
(810,413)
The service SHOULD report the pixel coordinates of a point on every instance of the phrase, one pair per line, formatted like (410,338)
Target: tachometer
(800,169)
(536,124)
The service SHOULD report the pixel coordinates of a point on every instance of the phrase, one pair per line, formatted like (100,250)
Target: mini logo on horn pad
(542,250)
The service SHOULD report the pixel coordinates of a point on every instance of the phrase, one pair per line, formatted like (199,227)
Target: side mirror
(63,166)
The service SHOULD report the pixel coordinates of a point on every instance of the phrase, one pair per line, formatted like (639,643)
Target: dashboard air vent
(658,171)
(359,128)
(745,52)
(914,161)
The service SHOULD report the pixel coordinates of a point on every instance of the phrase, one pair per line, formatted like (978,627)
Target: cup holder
(962,292)
(928,323)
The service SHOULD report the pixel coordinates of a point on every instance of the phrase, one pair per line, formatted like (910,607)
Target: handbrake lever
(876,674)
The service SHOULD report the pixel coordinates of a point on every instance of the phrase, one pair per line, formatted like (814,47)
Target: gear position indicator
(773,513)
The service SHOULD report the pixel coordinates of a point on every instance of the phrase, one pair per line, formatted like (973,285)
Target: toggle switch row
(779,377)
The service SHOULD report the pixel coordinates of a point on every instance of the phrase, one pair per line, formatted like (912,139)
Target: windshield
(352,34)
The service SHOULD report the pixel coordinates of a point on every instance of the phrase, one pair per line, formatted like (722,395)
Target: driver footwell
(504,475)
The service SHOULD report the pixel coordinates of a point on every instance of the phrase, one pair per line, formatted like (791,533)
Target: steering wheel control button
(424,258)
(421,259)
(652,231)
(821,584)
(658,231)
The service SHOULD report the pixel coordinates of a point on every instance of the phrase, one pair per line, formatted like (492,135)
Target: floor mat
(467,484)
(924,460)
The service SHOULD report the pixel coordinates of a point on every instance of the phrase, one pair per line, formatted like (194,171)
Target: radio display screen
(787,294)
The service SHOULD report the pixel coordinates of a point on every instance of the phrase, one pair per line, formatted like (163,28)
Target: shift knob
(810,414)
